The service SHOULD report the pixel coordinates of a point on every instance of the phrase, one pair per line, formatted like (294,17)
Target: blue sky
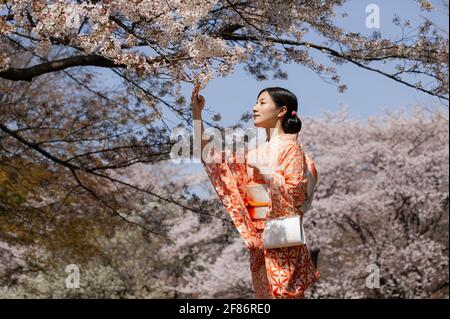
(367,94)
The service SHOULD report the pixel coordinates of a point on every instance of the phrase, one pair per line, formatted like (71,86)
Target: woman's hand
(198,102)
(262,168)
(256,162)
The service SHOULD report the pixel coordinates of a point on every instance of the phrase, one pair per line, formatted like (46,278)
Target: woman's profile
(281,164)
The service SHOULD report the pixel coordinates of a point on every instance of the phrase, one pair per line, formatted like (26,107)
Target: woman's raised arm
(198,103)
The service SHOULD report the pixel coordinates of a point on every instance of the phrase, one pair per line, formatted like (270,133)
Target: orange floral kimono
(276,273)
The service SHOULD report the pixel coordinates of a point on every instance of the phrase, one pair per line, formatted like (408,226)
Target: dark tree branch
(75,168)
(27,74)
(336,54)
(116,212)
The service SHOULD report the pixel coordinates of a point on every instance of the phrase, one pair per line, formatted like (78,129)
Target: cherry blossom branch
(332,52)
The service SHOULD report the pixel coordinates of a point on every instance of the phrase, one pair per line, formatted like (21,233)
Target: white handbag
(284,232)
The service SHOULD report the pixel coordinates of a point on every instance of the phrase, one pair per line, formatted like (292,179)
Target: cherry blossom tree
(183,40)
(65,155)
(114,260)
(386,204)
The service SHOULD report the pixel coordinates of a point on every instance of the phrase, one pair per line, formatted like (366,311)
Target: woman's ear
(282,111)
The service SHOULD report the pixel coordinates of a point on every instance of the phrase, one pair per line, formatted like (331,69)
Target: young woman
(280,164)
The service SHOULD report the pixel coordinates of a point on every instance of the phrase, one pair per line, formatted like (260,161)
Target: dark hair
(291,122)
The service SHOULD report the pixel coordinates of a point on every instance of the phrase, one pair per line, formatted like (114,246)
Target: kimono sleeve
(288,182)
(228,175)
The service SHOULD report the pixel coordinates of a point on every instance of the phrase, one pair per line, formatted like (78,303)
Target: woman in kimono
(281,164)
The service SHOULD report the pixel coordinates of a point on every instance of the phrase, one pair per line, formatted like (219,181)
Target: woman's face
(266,113)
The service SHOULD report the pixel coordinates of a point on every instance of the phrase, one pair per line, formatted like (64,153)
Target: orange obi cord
(251,206)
